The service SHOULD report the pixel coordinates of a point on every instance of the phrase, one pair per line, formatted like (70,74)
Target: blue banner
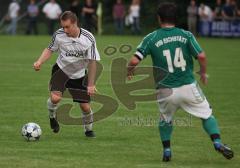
(220,28)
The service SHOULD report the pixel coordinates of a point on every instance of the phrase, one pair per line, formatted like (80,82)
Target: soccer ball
(31,131)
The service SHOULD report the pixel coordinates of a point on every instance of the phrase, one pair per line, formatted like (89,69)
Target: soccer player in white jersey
(75,69)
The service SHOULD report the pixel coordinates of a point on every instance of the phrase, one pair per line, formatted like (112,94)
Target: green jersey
(172,50)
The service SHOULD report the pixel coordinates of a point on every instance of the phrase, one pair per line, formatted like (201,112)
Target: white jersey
(74,53)
(135,11)
(52,10)
(13,10)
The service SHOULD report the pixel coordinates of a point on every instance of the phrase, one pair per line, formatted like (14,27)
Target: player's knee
(166,118)
(85,107)
(55,98)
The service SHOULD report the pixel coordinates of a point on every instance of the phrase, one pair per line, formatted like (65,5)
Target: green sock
(165,130)
(211,127)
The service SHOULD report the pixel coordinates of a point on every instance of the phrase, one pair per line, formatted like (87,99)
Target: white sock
(51,108)
(87,120)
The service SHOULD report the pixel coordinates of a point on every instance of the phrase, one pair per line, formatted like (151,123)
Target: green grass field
(119,142)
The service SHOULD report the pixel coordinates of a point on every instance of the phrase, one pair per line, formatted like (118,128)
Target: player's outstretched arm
(46,54)
(92,68)
(203,67)
(134,61)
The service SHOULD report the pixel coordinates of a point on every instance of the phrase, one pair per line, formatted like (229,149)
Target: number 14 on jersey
(178,61)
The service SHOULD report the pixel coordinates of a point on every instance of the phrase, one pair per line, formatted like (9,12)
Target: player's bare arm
(203,67)
(92,68)
(131,66)
(46,54)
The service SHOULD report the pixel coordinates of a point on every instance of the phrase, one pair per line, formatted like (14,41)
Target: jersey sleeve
(53,46)
(195,48)
(143,48)
(93,53)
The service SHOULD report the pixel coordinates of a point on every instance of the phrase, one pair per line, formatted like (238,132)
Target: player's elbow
(201,57)
(134,61)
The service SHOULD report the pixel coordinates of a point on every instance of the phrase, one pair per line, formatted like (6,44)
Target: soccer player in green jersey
(173,49)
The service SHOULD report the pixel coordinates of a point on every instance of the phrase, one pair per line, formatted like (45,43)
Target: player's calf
(52,116)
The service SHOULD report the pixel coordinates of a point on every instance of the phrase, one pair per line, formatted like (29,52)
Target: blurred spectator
(118,15)
(235,8)
(33,12)
(192,11)
(89,15)
(52,11)
(238,12)
(99,13)
(228,10)
(205,13)
(217,14)
(13,11)
(134,13)
(75,8)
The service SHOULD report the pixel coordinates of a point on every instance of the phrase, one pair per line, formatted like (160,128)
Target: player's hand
(37,66)
(91,90)
(130,75)
(203,78)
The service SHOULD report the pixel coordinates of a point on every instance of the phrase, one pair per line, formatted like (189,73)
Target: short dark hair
(167,11)
(69,15)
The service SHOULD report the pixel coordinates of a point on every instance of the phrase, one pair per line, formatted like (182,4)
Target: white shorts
(188,97)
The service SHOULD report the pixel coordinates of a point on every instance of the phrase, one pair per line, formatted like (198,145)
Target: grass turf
(124,139)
